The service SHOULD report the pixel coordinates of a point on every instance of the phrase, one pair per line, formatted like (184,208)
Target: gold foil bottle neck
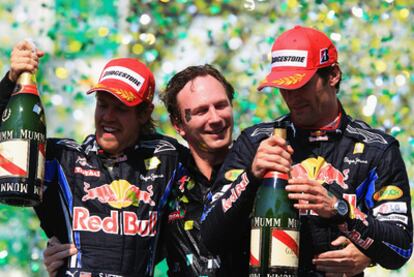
(26,78)
(280,132)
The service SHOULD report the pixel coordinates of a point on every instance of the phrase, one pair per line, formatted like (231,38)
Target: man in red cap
(347,180)
(107,195)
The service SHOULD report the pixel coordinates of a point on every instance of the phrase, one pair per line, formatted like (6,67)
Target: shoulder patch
(265,128)
(69,143)
(262,131)
(159,145)
(367,135)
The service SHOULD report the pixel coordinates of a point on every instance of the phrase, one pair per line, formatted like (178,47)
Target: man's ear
(335,76)
(178,126)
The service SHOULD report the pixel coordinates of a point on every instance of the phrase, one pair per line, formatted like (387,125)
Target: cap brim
(288,80)
(118,95)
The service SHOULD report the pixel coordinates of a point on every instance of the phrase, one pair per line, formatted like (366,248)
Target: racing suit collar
(91,146)
(191,166)
(322,134)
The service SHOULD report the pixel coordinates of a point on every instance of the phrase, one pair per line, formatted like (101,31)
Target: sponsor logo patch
(152,163)
(151,177)
(354,161)
(297,58)
(176,215)
(87,172)
(235,193)
(390,207)
(393,217)
(359,148)
(354,211)
(119,194)
(355,236)
(131,225)
(319,169)
(388,193)
(324,55)
(232,174)
(125,75)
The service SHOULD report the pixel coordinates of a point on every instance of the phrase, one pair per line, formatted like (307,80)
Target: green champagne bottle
(274,243)
(22,145)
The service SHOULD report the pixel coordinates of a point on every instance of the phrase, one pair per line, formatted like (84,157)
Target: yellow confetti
(292,3)
(188,225)
(329,21)
(137,49)
(184,199)
(75,46)
(376,42)
(356,45)
(61,73)
(380,66)
(103,31)
(404,13)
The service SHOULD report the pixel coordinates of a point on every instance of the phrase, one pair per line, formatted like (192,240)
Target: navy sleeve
(6,89)
(226,219)
(384,231)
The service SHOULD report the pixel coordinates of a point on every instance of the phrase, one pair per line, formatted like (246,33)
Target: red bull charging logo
(320,170)
(119,194)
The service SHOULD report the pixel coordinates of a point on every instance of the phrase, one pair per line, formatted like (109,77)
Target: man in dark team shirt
(199,102)
(348,180)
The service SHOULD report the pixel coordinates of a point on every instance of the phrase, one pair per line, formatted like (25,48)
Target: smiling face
(117,125)
(206,115)
(315,104)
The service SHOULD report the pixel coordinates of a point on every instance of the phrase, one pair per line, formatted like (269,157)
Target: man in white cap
(107,195)
(348,180)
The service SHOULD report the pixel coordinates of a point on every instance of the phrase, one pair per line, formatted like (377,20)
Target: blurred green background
(374,39)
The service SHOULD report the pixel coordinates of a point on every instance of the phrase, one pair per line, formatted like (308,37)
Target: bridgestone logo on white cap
(290,58)
(123,74)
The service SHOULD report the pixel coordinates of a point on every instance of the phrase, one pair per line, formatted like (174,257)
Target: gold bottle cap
(26,78)
(280,132)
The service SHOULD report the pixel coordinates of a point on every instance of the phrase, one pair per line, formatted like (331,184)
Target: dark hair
(149,126)
(325,72)
(179,80)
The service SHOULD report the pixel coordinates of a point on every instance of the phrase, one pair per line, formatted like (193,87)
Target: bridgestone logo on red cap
(123,74)
(290,58)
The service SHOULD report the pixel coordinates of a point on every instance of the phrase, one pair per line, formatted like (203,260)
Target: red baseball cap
(296,56)
(127,79)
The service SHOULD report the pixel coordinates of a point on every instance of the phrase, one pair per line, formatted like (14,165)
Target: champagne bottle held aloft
(274,243)
(22,145)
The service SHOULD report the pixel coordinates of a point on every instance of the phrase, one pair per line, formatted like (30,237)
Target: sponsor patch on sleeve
(390,207)
(388,193)
(393,217)
(232,174)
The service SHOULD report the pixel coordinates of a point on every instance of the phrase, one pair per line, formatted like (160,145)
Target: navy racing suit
(110,208)
(355,162)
